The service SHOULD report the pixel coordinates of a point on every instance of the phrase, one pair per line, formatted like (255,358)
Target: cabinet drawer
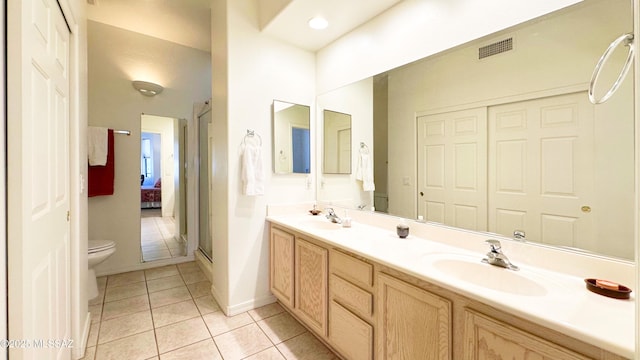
(350,335)
(352,269)
(358,300)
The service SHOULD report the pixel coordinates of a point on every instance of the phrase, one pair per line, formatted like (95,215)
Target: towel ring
(627,40)
(251,133)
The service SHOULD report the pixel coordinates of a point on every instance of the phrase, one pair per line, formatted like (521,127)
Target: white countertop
(556,300)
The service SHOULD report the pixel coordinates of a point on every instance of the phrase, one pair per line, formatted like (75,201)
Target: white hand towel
(364,171)
(97,145)
(252,173)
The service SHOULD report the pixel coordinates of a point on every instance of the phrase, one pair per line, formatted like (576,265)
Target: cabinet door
(311,285)
(413,324)
(281,269)
(487,338)
(350,335)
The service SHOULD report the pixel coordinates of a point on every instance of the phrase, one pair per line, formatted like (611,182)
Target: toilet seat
(100,245)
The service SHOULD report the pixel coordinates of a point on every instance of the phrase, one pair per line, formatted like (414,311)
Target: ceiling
(187,22)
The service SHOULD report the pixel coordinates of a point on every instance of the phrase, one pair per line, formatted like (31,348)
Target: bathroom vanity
(370,295)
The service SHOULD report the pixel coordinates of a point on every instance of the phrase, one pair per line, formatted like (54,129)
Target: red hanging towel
(101,177)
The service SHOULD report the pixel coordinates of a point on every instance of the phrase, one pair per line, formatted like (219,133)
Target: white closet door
(541,169)
(452,168)
(38,186)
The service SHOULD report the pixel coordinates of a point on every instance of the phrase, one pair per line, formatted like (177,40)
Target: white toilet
(99,251)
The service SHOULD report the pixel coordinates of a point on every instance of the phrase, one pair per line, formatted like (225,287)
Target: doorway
(162,188)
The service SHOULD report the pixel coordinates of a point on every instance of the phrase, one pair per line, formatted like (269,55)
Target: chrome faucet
(496,257)
(331,215)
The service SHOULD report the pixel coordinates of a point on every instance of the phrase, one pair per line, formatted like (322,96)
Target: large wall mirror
(291,138)
(163,187)
(336,150)
(509,142)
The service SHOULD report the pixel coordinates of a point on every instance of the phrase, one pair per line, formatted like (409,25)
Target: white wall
(414,29)
(344,189)
(116,57)
(251,70)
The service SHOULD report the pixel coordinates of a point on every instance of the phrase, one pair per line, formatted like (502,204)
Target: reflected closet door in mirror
(336,143)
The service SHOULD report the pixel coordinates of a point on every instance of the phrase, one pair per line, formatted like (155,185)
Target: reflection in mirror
(162,187)
(291,138)
(510,142)
(337,143)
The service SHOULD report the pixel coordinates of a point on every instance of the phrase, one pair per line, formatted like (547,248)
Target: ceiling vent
(495,48)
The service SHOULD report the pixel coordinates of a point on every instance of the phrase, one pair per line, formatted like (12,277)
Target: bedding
(151,196)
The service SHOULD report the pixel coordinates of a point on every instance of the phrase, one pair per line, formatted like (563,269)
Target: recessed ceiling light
(318,23)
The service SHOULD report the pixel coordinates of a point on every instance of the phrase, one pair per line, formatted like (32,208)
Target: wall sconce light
(147,88)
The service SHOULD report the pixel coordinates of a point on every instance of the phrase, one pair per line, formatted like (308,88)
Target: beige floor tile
(194,277)
(200,289)
(92,339)
(125,278)
(271,353)
(169,296)
(96,313)
(266,311)
(161,272)
(242,342)
(219,323)
(125,291)
(281,327)
(203,350)
(102,282)
(207,304)
(169,314)
(124,307)
(305,347)
(98,299)
(181,334)
(89,353)
(164,283)
(125,326)
(188,267)
(137,347)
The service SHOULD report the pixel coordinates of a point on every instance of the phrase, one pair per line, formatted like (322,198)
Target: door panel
(541,152)
(38,153)
(452,168)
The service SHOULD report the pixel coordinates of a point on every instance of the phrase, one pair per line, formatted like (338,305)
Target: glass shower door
(204,201)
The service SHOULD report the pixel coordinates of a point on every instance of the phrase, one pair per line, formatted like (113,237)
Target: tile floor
(169,313)
(158,241)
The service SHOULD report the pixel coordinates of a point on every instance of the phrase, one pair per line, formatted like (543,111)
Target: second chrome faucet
(496,257)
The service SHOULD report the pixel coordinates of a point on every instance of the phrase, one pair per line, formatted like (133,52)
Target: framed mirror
(336,154)
(291,138)
(509,142)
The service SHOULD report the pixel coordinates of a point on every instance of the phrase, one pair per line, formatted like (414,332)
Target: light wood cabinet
(281,280)
(365,311)
(413,324)
(311,284)
(487,338)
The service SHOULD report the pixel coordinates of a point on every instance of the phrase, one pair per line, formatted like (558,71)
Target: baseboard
(249,305)
(205,265)
(80,349)
(146,265)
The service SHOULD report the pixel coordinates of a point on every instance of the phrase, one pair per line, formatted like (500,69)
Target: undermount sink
(321,224)
(473,271)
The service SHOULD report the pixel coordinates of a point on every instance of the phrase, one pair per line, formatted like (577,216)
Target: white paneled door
(452,168)
(38,183)
(541,166)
